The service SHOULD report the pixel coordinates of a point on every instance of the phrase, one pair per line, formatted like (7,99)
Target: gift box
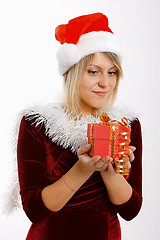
(110,138)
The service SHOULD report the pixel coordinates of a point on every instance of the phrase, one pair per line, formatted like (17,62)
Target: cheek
(113,83)
(85,85)
(83,89)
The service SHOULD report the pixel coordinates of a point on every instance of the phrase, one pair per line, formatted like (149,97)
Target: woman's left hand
(111,170)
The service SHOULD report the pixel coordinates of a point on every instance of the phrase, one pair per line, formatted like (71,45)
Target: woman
(65,193)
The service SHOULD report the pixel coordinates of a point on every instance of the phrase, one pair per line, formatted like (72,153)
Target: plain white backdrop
(29,75)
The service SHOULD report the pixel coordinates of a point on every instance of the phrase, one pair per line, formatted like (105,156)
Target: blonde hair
(72,80)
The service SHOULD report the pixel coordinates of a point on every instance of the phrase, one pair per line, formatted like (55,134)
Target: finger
(132,148)
(104,167)
(99,164)
(94,160)
(106,159)
(110,166)
(131,155)
(129,165)
(84,149)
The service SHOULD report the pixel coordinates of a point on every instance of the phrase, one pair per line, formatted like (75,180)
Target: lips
(100,93)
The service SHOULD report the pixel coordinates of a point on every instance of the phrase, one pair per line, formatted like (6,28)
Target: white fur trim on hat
(89,43)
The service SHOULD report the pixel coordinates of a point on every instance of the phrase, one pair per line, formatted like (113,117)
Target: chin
(99,105)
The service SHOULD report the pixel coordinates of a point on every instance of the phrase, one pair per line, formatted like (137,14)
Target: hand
(91,164)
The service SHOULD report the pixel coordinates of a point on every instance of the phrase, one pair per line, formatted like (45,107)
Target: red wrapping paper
(110,138)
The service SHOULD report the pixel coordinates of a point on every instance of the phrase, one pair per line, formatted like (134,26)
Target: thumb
(84,149)
(110,165)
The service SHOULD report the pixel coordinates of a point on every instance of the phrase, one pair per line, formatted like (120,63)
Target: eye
(111,73)
(92,72)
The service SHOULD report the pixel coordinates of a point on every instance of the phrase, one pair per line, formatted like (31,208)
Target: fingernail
(110,159)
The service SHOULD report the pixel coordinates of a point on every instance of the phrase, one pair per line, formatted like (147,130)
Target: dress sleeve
(132,207)
(31,170)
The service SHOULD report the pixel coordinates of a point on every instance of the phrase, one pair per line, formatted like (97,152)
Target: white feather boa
(61,129)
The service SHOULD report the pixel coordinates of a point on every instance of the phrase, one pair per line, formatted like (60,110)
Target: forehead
(101,60)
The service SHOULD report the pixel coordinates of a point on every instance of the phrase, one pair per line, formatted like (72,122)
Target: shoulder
(136,131)
(58,127)
(136,124)
(35,120)
(40,115)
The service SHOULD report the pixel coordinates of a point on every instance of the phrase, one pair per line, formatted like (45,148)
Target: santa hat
(83,36)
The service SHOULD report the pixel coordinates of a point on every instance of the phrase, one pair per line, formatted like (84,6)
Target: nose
(104,81)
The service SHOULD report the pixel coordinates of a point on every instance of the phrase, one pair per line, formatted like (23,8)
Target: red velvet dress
(89,214)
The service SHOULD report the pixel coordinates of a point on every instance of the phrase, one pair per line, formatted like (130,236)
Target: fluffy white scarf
(61,129)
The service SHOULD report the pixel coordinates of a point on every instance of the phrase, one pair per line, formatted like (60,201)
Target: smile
(101,94)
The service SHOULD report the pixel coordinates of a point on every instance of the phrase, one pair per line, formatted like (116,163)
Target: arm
(56,195)
(119,190)
(31,170)
(126,196)
(39,199)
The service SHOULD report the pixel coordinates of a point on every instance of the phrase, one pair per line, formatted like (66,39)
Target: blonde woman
(65,193)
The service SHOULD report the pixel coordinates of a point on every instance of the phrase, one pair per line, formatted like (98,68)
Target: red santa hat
(83,36)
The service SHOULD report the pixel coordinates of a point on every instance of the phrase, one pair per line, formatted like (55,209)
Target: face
(97,83)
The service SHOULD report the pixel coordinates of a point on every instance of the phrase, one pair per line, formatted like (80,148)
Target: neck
(86,111)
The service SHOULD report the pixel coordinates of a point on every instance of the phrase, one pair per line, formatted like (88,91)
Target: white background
(28,75)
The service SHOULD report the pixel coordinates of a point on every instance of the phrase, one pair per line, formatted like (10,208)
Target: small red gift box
(110,138)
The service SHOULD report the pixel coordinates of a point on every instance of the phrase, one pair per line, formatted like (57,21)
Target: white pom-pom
(67,55)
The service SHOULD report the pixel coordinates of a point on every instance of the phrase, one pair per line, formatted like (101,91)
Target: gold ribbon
(121,169)
(106,120)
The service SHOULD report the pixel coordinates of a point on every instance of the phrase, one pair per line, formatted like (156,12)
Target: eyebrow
(94,65)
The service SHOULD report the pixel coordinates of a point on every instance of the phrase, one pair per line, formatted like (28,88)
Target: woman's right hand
(87,163)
